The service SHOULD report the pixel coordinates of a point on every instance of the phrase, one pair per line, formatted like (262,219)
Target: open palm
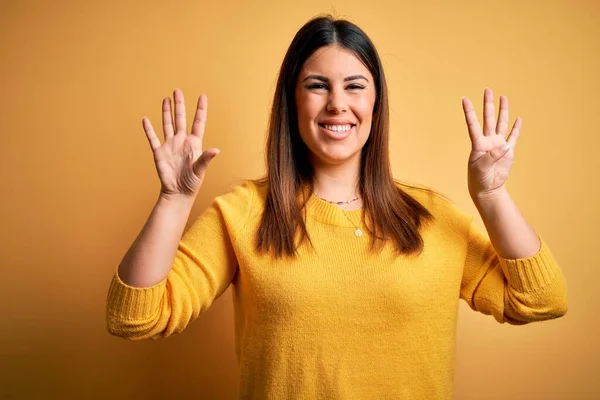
(180,162)
(492,152)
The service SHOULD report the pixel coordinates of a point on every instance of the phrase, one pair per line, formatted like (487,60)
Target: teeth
(338,128)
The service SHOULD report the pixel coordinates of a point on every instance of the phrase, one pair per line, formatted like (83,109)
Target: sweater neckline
(332,214)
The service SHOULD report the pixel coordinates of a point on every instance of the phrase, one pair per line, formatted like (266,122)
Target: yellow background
(78,180)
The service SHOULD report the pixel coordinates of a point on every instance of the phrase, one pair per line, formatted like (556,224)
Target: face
(335,96)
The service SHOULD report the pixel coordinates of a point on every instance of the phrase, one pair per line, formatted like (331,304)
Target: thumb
(205,158)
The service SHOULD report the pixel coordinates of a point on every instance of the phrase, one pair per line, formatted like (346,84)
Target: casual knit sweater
(339,321)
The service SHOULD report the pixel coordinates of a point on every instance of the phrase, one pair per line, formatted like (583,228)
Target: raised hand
(492,152)
(180,162)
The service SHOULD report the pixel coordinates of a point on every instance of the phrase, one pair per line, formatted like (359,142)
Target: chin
(336,157)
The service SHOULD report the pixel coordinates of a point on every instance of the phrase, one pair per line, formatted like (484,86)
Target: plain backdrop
(78,180)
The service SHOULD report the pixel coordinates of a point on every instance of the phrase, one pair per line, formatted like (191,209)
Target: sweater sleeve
(204,266)
(517,291)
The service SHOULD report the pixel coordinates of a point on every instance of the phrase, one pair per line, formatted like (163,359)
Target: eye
(354,86)
(316,86)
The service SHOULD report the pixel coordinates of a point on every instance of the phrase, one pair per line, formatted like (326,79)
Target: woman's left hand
(492,153)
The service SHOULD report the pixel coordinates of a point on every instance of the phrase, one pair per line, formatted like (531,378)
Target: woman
(346,282)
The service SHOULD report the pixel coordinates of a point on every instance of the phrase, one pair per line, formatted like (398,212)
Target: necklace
(338,202)
(358,232)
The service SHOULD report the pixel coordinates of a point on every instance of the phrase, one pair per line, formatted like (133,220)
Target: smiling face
(335,96)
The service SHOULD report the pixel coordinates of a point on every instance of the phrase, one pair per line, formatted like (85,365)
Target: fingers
(150,134)
(166,118)
(502,125)
(471,118)
(205,158)
(515,132)
(180,121)
(498,152)
(200,118)
(180,116)
(488,112)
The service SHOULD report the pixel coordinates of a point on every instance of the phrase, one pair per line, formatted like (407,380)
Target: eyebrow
(326,80)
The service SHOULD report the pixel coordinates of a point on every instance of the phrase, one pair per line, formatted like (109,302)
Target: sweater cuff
(533,273)
(129,303)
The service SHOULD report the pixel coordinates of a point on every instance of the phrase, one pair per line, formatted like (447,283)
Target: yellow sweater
(339,322)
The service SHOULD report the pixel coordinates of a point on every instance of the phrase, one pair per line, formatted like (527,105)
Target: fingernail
(506,147)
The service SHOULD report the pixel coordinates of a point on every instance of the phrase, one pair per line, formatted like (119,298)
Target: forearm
(510,234)
(150,257)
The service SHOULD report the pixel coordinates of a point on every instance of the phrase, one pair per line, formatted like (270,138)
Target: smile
(337,132)
(337,128)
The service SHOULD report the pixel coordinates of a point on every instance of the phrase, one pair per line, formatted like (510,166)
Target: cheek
(308,106)
(364,109)
(364,106)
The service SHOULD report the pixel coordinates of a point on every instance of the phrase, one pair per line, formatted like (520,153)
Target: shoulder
(426,195)
(439,205)
(242,196)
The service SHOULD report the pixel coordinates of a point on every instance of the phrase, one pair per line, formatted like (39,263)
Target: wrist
(176,199)
(489,197)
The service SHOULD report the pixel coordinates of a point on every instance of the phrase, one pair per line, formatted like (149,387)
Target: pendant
(358,233)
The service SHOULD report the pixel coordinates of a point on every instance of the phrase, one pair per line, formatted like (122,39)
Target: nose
(337,102)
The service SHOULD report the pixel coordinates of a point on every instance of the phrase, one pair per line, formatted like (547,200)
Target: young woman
(346,282)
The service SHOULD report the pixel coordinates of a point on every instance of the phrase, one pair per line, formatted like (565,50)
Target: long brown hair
(393,213)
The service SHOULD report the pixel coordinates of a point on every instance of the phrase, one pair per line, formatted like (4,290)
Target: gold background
(78,180)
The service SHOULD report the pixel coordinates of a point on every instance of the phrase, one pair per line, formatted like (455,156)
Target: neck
(337,182)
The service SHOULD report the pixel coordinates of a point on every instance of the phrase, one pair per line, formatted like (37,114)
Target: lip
(332,121)
(337,135)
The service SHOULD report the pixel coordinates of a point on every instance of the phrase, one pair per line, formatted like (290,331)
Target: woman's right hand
(180,161)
